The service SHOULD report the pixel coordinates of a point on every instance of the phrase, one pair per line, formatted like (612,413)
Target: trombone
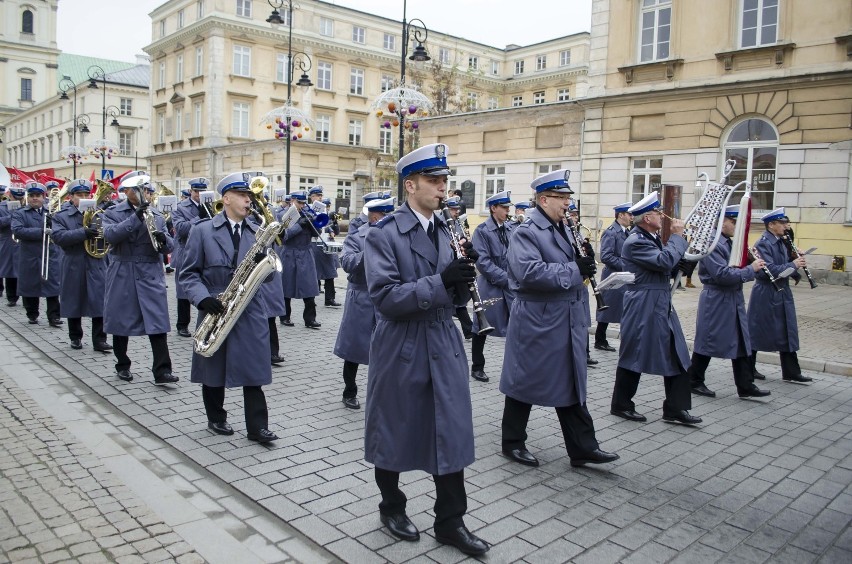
(54,203)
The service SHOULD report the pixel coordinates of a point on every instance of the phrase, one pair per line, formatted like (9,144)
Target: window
(538,97)
(180,19)
(753,144)
(26,89)
(326,27)
(27,21)
(162,28)
(196,119)
(473,62)
(359,35)
(472,101)
(242,60)
(384,184)
(493,103)
(387,82)
(517,101)
(565,58)
(125,107)
(356,130)
(324,76)
(562,95)
(199,9)
(244,8)
(444,55)
(344,190)
(282,68)
(178,119)
(356,82)
(647,176)
(540,62)
(547,167)
(759,23)
(240,120)
(656,24)
(199,61)
(495,181)
(306,183)
(161,82)
(286,15)
(495,68)
(385,141)
(323,129)
(161,127)
(390,42)
(519,67)
(179,69)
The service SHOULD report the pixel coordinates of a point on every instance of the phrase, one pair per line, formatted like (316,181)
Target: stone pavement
(757,481)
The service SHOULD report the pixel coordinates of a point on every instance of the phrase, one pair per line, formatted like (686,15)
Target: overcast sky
(118,29)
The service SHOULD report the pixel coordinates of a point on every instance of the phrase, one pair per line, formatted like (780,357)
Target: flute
(794,251)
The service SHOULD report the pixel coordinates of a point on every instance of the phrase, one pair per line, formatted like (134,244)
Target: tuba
(259,203)
(98,247)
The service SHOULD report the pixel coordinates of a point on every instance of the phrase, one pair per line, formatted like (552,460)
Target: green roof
(76,66)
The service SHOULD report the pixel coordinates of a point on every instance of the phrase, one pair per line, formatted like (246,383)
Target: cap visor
(434,172)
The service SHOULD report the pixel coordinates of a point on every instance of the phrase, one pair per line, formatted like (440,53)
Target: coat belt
(571,295)
(437,314)
(135,258)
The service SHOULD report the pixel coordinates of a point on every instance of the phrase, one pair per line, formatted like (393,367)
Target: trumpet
(148,217)
(578,239)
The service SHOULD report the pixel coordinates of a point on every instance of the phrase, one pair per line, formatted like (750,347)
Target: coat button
(432,324)
(434,357)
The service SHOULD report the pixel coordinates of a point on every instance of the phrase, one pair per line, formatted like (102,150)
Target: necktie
(235,237)
(501,232)
(430,231)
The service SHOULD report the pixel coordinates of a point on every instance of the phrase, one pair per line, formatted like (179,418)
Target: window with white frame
(323,128)
(326,27)
(125,107)
(473,62)
(758,22)
(242,60)
(495,181)
(384,184)
(356,82)
(390,42)
(495,68)
(240,119)
(180,19)
(647,176)
(161,127)
(125,142)
(538,97)
(544,168)
(196,120)
(563,95)
(472,101)
(178,121)
(359,34)
(244,8)
(540,62)
(162,28)
(656,29)
(387,82)
(444,55)
(199,9)
(282,68)
(519,67)
(307,182)
(385,141)
(344,190)
(161,77)
(324,76)
(753,145)
(356,132)
(565,58)
(199,61)
(493,103)
(517,101)
(179,69)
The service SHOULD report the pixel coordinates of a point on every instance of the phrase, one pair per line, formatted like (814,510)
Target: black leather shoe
(263,436)
(597,456)
(33,320)
(277,359)
(165,379)
(184,332)
(703,390)
(333,303)
(590,361)
(521,456)
(604,347)
(479,375)
(352,403)
(759,376)
(55,322)
(798,379)
(400,526)
(124,375)
(754,392)
(76,344)
(628,414)
(682,417)
(11,304)
(285,321)
(463,540)
(313,324)
(103,347)
(223,428)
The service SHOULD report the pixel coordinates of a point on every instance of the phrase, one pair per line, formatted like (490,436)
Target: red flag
(45,178)
(117,180)
(92,177)
(17,176)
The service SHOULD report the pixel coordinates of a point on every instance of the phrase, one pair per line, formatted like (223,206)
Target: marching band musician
(299,279)
(574,213)
(362,217)
(721,329)
(187,213)
(359,316)
(214,250)
(28,226)
(547,333)
(418,414)
(454,204)
(8,246)
(771,314)
(491,241)
(612,241)
(520,211)
(326,263)
(83,276)
(135,302)
(651,336)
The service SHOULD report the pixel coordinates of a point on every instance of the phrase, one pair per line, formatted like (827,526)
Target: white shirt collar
(233,223)
(424,221)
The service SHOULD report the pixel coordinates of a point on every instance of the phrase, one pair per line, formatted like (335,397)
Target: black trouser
(464,318)
(12,289)
(678,392)
(162,362)
(350,371)
(600,333)
(450,498)
(184,309)
(329,290)
(789,364)
(578,429)
(310,313)
(743,376)
(477,352)
(31,306)
(254,402)
(273,337)
(75,329)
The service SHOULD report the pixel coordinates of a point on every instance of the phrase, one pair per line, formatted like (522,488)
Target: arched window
(27,21)
(753,144)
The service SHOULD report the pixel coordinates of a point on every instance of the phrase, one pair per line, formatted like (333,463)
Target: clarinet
(794,252)
(479,304)
(756,256)
(582,252)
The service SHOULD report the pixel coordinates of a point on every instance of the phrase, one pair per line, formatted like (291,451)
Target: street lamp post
(103,146)
(73,155)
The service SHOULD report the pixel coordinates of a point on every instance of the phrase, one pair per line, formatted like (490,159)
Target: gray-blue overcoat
(649,322)
(327,263)
(208,267)
(8,247)
(83,277)
(183,218)
(299,279)
(493,280)
(418,414)
(28,228)
(771,314)
(612,240)
(359,316)
(136,302)
(270,294)
(545,358)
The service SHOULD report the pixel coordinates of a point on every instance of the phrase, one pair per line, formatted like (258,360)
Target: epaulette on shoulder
(204,220)
(383,221)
